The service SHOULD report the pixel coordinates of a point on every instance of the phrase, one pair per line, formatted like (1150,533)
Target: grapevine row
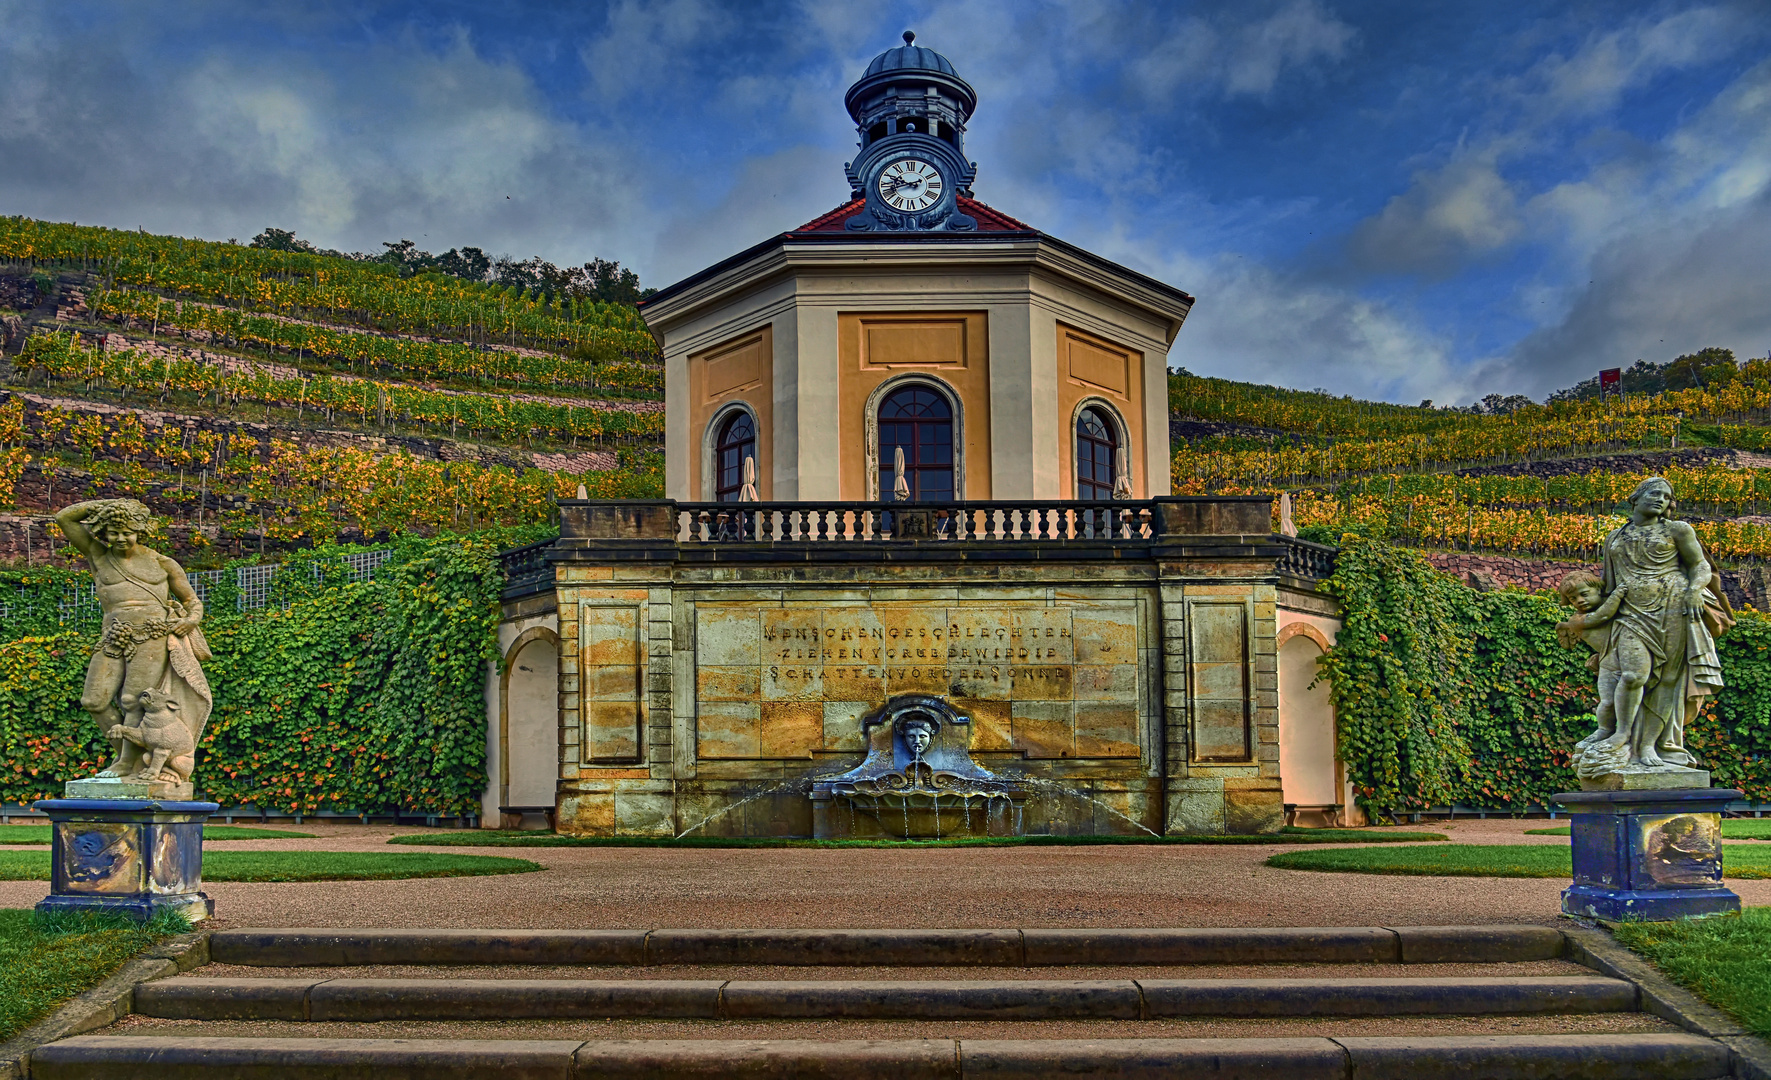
(1536,532)
(312,492)
(1713,488)
(1313,414)
(403,357)
(61,357)
(1202,469)
(289,282)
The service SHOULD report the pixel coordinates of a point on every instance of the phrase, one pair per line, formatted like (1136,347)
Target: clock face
(911,185)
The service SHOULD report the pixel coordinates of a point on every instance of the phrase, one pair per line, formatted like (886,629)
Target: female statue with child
(1651,621)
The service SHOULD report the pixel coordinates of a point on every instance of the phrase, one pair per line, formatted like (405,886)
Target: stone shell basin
(918,781)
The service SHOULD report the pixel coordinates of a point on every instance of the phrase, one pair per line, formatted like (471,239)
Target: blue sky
(1390,199)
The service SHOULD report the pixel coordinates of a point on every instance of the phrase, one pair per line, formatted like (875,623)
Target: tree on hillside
(1701,368)
(1705,367)
(599,279)
(1497,405)
(273,239)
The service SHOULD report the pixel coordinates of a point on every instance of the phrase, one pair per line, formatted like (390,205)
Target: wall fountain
(918,781)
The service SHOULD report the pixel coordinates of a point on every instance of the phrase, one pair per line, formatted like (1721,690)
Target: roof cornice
(788,252)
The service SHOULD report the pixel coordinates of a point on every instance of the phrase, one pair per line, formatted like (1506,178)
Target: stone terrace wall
(1751,586)
(1499,571)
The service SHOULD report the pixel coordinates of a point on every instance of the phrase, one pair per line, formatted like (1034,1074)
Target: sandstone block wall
(704,689)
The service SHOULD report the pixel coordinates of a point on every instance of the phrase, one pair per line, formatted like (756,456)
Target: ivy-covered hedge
(1444,695)
(359,696)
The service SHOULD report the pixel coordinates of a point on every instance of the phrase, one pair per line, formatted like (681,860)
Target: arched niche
(1309,771)
(530,736)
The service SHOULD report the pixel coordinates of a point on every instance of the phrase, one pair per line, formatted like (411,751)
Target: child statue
(149,650)
(1584,592)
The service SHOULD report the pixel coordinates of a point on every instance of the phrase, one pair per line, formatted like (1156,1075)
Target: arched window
(1097,446)
(918,420)
(737,441)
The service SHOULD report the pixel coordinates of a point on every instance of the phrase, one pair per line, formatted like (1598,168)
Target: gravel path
(1180,885)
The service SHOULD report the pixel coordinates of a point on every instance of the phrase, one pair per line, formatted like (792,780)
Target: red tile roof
(988,220)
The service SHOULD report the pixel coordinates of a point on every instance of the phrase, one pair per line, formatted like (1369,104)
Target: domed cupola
(910,109)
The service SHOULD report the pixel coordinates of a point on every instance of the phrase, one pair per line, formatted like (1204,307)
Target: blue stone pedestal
(1648,855)
(130,856)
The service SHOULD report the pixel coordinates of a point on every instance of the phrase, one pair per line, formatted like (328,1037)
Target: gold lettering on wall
(1050,682)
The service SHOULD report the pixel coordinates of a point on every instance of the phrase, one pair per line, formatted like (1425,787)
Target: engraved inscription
(1021,669)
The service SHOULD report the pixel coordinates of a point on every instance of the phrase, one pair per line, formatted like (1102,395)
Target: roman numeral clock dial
(910,185)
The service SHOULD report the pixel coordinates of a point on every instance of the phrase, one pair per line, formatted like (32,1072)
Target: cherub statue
(1584,592)
(149,639)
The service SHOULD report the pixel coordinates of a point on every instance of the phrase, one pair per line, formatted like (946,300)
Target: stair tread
(1617,1056)
(962,1028)
(866,946)
(807,971)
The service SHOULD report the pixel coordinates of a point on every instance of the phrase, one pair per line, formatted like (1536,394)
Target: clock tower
(910,110)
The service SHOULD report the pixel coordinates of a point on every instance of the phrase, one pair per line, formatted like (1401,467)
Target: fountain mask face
(917,736)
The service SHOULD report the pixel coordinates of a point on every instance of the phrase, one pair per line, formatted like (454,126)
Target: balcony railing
(764,522)
(1307,560)
(527,568)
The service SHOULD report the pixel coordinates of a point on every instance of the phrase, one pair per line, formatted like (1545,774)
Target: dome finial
(909,36)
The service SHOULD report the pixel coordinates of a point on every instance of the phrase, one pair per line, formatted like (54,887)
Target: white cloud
(1259,326)
(1236,55)
(1594,77)
(1446,216)
(1295,36)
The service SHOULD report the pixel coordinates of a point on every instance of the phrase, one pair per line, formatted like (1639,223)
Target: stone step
(981,999)
(302,947)
(1527,1057)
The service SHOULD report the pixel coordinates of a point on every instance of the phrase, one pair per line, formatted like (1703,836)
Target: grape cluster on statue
(145,686)
(1651,622)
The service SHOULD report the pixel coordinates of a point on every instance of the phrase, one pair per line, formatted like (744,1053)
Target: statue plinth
(1649,778)
(127,856)
(127,787)
(1647,855)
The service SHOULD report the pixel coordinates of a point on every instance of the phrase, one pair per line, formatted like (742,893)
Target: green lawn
(1486,860)
(1727,962)
(39,834)
(531,838)
(305,865)
(45,964)
(1732,829)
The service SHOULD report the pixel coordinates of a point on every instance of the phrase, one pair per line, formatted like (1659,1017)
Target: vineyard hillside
(269,396)
(266,396)
(1496,490)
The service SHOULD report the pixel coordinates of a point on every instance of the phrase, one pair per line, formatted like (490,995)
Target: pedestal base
(121,787)
(1643,778)
(127,856)
(1648,855)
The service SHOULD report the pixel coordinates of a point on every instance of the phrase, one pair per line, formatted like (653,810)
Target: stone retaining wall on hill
(1646,461)
(1488,572)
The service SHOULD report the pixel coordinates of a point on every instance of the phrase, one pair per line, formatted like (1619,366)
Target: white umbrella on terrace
(900,485)
(747,493)
(1121,474)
